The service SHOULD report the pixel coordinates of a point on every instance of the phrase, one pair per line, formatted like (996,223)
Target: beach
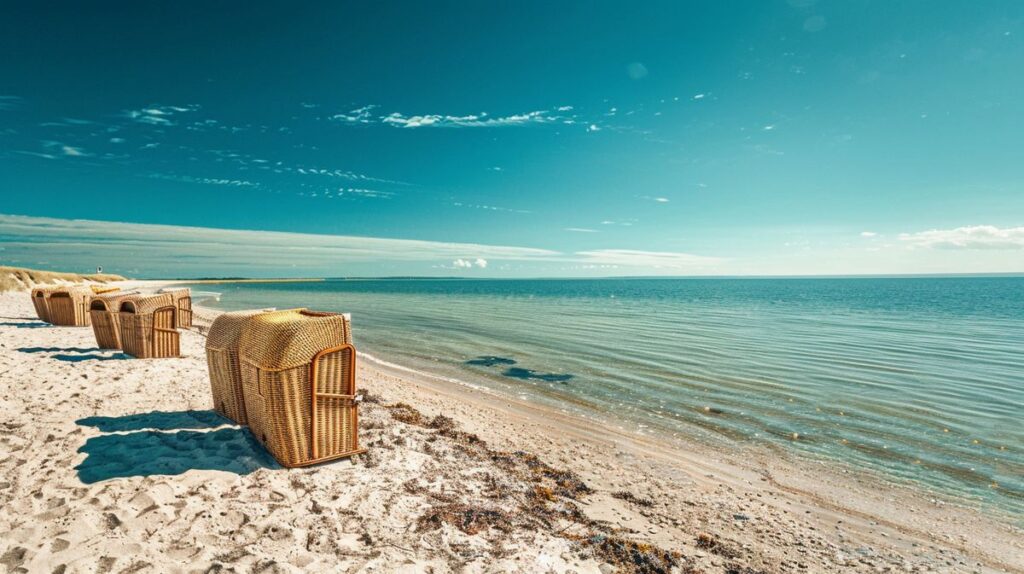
(112,464)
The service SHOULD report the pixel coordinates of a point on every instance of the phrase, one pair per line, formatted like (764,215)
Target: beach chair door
(333,409)
(166,339)
(62,309)
(185,312)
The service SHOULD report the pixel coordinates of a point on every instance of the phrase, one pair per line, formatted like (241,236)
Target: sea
(919,381)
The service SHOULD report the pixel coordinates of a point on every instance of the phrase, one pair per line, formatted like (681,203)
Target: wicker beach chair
(40,300)
(298,380)
(222,360)
(183,301)
(103,315)
(69,306)
(148,327)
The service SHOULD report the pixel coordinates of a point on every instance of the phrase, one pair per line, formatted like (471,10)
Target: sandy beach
(111,464)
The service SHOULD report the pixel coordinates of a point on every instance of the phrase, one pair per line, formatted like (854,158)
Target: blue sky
(513,139)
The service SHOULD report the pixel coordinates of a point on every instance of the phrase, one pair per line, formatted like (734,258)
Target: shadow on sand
(91,357)
(33,325)
(60,349)
(158,420)
(152,451)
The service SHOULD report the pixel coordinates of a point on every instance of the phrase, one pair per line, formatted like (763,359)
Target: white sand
(110,494)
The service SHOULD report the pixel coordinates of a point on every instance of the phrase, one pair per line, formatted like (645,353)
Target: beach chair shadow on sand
(32,325)
(158,420)
(154,451)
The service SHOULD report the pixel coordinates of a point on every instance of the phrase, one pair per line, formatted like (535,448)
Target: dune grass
(16,278)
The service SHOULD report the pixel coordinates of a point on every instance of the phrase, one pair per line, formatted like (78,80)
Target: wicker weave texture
(298,383)
(104,317)
(148,327)
(183,301)
(222,361)
(69,306)
(289,338)
(40,302)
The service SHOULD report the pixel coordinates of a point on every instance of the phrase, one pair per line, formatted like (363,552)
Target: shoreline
(873,506)
(773,514)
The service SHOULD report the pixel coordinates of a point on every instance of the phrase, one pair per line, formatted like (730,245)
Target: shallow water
(921,379)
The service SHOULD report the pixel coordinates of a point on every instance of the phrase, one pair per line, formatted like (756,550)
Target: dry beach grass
(111,464)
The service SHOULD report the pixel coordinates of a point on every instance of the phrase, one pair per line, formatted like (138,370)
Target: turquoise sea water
(918,379)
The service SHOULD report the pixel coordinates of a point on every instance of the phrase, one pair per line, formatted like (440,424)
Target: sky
(516,139)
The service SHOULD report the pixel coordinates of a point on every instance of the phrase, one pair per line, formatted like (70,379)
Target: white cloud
(968,237)
(36,154)
(72,151)
(357,116)
(174,251)
(581,230)
(661,199)
(157,115)
(205,180)
(163,249)
(472,121)
(469,264)
(868,234)
(649,259)
(593,128)
(363,192)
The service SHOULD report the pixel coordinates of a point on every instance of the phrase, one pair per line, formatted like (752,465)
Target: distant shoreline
(241,280)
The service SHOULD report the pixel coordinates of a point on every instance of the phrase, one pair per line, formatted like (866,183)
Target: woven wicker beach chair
(40,300)
(298,381)
(222,360)
(104,318)
(183,301)
(69,306)
(148,326)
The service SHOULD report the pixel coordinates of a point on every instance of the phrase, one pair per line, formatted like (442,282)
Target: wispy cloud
(486,207)
(357,116)
(223,251)
(968,237)
(174,250)
(36,154)
(8,102)
(561,115)
(580,230)
(158,115)
(205,180)
(482,120)
(868,234)
(649,259)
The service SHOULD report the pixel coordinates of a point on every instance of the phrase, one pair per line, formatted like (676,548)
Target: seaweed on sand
(632,556)
(469,519)
(529,494)
(630,497)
